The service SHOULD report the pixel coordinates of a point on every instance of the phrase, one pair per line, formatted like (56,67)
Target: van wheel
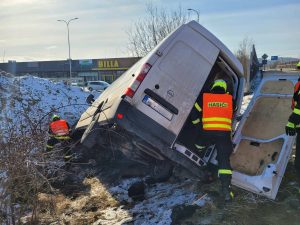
(162,171)
(90,88)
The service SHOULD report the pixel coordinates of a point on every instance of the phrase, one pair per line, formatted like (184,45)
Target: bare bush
(26,169)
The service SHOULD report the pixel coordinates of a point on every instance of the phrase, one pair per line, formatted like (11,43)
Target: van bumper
(135,123)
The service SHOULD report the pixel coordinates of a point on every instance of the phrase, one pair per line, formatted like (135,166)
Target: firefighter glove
(294,118)
(290,129)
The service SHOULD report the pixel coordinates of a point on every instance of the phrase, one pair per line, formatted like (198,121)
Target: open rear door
(262,149)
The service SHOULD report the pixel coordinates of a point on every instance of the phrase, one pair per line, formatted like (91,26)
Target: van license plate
(157,107)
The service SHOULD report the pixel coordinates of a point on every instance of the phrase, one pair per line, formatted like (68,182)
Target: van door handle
(161,101)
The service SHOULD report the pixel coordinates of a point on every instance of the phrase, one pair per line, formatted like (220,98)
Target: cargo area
(187,137)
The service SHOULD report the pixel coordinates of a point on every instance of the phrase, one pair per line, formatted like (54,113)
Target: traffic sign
(265,56)
(264,61)
(274,57)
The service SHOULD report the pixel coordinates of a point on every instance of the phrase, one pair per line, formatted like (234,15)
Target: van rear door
(262,149)
(175,80)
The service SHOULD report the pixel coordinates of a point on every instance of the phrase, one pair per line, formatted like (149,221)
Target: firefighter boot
(226,192)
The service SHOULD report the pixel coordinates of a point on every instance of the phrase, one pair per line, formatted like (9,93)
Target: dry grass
(83,210)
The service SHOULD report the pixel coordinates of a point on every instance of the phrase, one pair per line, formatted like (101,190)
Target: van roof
(224,51)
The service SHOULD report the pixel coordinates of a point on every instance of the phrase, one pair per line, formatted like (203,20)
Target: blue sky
(30,31)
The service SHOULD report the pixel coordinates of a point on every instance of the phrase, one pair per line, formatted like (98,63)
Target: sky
(30,31)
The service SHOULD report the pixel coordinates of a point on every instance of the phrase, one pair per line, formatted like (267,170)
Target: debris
(137,191)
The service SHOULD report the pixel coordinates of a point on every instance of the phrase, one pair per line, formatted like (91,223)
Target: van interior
(189,133)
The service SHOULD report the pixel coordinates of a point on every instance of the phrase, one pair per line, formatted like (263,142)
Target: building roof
(63,65)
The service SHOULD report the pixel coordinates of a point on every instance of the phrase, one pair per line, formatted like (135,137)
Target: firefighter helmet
(220,83)
(55,117)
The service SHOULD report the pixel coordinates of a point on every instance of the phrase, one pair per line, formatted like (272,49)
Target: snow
(159,201)
(29,100)
(245,103)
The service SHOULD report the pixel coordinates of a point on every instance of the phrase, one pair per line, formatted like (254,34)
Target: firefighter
(293,126)
(296,95)
(215,113)
(59,132)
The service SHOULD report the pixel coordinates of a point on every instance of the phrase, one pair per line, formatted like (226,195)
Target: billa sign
(108,64)
(111,64)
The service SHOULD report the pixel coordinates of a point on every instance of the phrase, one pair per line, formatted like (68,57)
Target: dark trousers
(51,142)
(297,159)
(65,145)
(222,140)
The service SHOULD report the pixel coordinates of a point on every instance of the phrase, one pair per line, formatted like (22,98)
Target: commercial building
(83,70)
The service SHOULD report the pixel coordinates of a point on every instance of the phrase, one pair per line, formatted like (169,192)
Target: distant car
(74,84)
(97,85)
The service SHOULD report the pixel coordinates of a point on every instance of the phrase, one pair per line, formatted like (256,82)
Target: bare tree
(243,54)
(146,33)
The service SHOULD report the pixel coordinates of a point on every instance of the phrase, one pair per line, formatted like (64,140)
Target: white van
(148,107)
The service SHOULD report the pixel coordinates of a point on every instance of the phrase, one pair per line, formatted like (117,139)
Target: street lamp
(196,11)
(67,23)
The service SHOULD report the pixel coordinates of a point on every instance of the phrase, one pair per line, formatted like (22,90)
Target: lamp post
(196,11)
(67,23)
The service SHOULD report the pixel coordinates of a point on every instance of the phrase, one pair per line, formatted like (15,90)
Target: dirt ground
(98,195)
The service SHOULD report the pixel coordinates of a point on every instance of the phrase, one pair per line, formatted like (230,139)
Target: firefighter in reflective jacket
(59,132)
(293,126)
(296,95)
(216,117)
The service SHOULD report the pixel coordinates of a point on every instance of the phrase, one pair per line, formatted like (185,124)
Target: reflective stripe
(291,125)
(197,106)
(196,121)
(225,171)
(62,137)
(296,111)
(231,194)
(217,112)
(49,146)
(222,119)
(200,146)
(219,83)
(225,126)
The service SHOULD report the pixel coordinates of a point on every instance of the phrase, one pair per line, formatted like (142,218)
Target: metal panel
(262,149)
(179,75)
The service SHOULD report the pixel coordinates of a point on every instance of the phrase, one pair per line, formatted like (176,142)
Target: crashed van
(147,109)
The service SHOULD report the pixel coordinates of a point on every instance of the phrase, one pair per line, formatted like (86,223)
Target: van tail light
(138,80)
